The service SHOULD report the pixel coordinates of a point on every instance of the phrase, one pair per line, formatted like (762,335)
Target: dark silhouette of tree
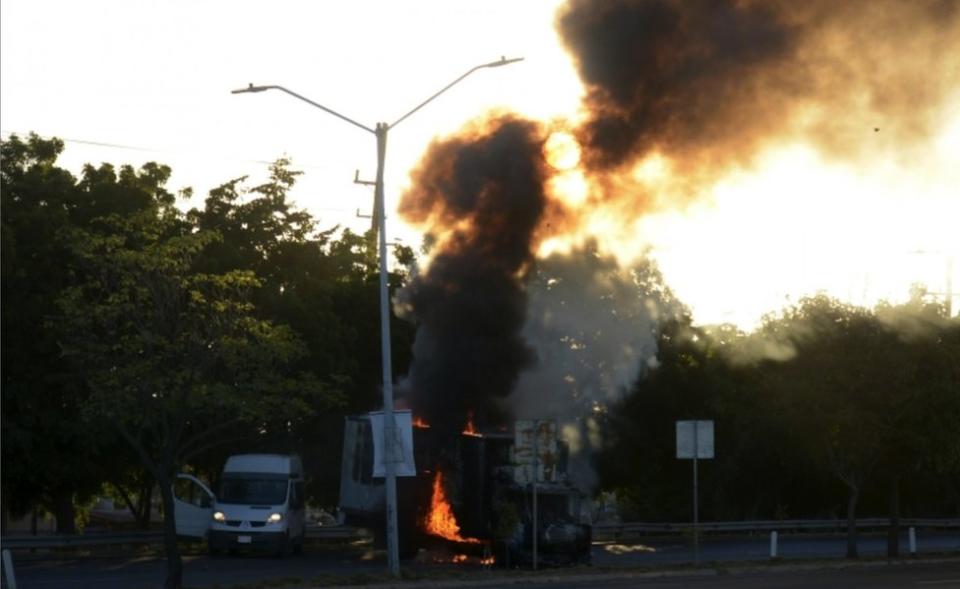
(52,456)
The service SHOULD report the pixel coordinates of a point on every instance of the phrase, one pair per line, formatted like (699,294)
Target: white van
(260,504)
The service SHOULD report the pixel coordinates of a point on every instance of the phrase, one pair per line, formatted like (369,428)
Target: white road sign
(695,434)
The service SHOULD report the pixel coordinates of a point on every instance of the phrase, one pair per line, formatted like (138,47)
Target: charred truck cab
(474,494)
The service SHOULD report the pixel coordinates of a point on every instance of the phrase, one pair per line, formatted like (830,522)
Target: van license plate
(243,539)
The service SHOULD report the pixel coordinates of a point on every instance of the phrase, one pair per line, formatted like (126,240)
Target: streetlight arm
(502,61)
(252,88)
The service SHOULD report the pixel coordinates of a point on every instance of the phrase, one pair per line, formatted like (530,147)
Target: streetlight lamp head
(503,61)
(250,88)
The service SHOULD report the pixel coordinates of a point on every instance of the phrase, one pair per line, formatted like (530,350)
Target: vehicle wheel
(379,537)
(409,548)
(298,546)
(284,547)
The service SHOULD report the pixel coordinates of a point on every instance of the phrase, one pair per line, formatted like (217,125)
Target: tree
(42,394)
(922,439)
(324,285)
(173,356)
(848,387)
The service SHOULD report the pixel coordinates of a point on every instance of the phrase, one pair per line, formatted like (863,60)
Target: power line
(8,133)
(147,149)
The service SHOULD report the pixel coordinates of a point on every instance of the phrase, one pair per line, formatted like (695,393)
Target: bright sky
(155,77)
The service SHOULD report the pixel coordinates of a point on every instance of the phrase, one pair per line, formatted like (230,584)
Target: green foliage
(183,336)
(826,399)
(170,353)
(324,286)
(42,396)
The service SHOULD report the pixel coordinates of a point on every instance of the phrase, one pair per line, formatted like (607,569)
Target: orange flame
(419,422)
(441,521)
(471,429)
(464,559)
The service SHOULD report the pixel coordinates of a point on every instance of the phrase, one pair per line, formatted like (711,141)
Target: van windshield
(253,491)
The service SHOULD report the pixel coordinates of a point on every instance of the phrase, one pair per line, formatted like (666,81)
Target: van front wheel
(284,547)
(298,546)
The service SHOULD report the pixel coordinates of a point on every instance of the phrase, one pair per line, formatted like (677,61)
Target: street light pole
(390,457)
(389,426)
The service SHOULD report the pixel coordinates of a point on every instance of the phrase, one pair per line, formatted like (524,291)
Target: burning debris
(471,428)
(444,556)
(473,495)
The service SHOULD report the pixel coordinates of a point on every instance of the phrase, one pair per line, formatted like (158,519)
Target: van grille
(235,523)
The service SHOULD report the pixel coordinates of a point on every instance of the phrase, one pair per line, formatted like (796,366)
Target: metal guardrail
(76,540)
(21,542)
(633,529)
(338,533)
(600,531)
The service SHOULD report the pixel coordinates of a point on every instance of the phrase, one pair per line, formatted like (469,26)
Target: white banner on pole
(402,443)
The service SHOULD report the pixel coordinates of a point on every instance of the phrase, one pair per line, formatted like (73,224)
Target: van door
(193,506)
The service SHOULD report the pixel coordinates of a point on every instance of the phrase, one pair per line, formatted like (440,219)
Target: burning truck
(485,496)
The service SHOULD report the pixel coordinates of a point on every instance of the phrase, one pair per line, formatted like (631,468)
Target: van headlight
(218,516)
(274,518)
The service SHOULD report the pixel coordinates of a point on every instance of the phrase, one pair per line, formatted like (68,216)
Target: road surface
(344,564)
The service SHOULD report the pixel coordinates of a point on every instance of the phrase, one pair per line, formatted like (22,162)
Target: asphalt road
(879,576)
(675,550)
(199,571)
(351,564)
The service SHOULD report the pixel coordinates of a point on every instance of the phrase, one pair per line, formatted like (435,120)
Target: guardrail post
(912,535)
(9,577)
(773,544)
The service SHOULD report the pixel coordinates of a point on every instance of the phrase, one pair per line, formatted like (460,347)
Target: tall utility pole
(390,454)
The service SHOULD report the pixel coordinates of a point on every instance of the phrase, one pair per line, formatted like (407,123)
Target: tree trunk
(64,511)
(893,532)
(131,506)
(172,550)
(145,505)
(852,497)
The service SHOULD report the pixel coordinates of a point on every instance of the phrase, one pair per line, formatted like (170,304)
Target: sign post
(695,441)
(534,455)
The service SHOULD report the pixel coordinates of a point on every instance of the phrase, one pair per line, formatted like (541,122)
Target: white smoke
(593,326)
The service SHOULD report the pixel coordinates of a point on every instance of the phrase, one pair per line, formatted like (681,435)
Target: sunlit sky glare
(158,75)
(155,78)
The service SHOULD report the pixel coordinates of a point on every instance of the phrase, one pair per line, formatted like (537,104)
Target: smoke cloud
(480,196)
(709,83)
(591,322)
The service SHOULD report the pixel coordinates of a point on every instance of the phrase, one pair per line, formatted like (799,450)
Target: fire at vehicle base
(472,499)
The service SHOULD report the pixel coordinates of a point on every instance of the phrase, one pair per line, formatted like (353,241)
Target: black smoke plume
(710,83)
(481,196)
